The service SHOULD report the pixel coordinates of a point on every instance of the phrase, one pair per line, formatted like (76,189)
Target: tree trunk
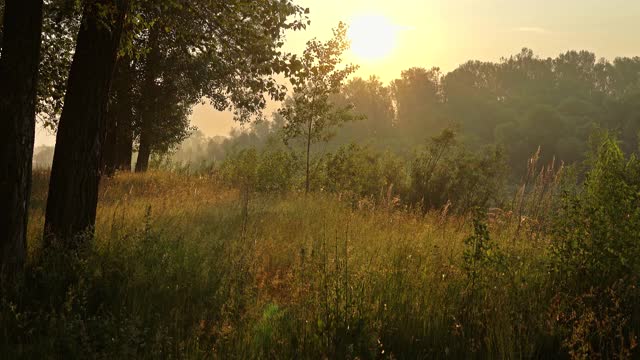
(148,101)
(119,137)
(124,141)
(109,148)
(124,82)
(144,153)
(124,144)
(18,87)
(307,183)
(75,173)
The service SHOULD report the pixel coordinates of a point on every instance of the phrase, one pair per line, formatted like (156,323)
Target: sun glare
(372,36)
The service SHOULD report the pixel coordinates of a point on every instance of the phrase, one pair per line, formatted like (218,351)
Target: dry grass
(308,277)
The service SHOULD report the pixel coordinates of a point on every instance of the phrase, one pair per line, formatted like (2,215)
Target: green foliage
(597,257)
(359,171)
(141,294)
(599,228)
(60,25)
(444,173)
(277,170)
(309,114)
(521,103)
(419,101)
(372,99)
(268,171)
(393,171)
(538,197)
(479,254)
(484,266)
(241,169)
(177,270)
(354,169)
(179,53)
(201,42)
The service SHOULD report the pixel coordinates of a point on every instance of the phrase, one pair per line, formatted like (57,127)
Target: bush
(597,257)
(445,172)
(271,170)
(359,171)
(277,170)
(355,170)
(241,169)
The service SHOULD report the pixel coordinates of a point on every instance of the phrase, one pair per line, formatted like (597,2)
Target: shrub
(241,169)
(354,169)
(277,170)
(597,256)
(394,173)
(359,171)
(445,172)
(271,170)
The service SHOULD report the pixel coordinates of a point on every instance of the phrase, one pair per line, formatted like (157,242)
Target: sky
(447,33)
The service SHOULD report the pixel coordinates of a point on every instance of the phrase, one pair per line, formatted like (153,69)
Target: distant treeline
(520,103)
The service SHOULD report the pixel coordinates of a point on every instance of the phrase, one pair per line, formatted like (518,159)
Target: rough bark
(75,173)
(144,153)
(22,29)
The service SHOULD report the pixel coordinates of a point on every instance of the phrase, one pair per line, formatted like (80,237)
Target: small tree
(309,114)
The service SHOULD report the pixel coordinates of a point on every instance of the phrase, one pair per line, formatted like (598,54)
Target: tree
(373,100)
(170,86)
(418,97)
(75,173)
(227,52)
(238,42)
(118,146)
(523,79)
(310,114)
(18,82)
(474,98)
(575,74)
(61,23)
(21,38)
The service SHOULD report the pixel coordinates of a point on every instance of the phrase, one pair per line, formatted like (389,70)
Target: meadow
(187,266)
(389,211)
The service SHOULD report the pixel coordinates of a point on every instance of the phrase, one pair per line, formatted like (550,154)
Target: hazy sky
(446,33)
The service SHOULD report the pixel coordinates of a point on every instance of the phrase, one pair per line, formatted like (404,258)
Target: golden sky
(446,33)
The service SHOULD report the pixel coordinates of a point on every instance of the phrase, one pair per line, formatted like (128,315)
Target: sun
(373,37)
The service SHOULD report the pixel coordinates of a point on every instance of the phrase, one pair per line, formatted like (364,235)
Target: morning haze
(438,179)
(448,33)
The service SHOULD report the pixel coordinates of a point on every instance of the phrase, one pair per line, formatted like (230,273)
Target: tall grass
(179,269)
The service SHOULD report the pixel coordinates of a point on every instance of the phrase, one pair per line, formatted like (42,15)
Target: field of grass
(178,269)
